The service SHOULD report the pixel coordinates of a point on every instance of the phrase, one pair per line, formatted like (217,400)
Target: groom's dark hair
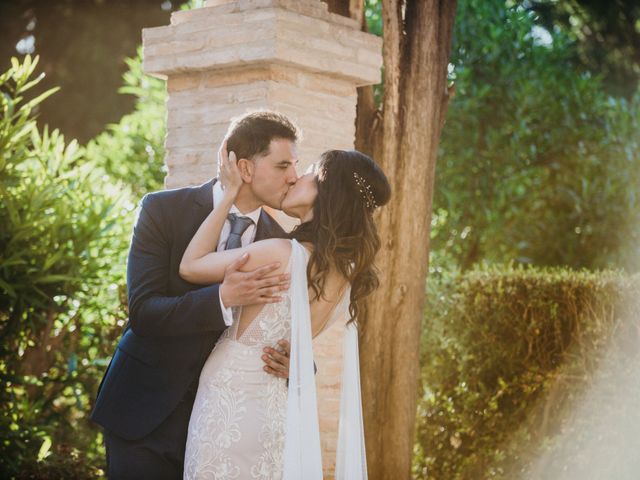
(251,134)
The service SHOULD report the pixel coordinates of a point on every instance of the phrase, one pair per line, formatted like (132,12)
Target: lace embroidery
(272,433)
(275,325)
(219,413)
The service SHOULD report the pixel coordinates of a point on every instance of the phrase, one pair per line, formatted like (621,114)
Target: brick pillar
(293,56)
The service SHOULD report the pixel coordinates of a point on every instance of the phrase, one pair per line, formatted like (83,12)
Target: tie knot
(238,223)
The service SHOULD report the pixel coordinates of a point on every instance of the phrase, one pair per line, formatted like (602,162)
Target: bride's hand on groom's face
(247,288)
(228,171)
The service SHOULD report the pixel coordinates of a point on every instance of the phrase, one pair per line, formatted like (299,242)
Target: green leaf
(46,279)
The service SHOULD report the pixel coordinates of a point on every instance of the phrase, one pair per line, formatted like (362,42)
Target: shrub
(64,233)
(506,354)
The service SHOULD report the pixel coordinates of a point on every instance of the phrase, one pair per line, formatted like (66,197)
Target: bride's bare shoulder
(268,251)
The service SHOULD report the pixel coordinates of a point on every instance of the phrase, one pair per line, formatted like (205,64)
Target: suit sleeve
(152,312)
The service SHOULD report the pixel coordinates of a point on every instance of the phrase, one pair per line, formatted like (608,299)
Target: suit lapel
(268,228)
(204,195)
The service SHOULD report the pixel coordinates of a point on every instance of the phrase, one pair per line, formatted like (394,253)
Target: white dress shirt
(247,237)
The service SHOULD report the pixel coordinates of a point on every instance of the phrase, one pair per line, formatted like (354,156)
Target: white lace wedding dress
(241,415)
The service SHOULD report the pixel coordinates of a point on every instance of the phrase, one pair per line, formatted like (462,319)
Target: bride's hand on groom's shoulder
(228,171)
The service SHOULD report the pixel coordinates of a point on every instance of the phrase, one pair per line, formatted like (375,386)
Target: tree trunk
(403,139)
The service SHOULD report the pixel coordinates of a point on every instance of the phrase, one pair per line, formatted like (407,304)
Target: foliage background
(538,162)
(508,354)
(64,237)
(539,166)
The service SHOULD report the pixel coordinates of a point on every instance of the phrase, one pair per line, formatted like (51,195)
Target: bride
(246,423)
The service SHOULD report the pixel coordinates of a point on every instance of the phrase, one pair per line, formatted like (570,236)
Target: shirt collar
(218,193)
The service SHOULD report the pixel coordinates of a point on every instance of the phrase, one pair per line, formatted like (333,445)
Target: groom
(146,396)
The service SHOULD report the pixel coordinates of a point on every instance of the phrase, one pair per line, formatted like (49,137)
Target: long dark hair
(344,236)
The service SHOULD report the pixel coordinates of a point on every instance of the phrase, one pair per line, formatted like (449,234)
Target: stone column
(293,56)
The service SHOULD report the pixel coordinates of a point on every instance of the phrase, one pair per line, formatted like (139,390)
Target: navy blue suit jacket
(173,324)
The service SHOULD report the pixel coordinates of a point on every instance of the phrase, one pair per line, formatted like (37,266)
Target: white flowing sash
(302,452)
(351,461)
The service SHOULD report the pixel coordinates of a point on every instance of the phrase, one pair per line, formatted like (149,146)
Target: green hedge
(63,241)
(506,353)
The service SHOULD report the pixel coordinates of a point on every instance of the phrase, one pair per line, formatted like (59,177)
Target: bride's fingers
(234,171)
(222,151)
(222,155)
(224,166)
(229,171)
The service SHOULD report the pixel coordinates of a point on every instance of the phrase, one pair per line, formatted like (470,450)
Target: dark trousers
(159,455)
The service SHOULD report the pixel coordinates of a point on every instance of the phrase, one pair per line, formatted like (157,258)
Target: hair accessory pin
(365,191)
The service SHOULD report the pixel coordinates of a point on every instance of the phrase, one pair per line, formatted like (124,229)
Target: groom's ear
(247,169)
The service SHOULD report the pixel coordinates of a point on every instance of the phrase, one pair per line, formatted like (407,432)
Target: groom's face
(274,172)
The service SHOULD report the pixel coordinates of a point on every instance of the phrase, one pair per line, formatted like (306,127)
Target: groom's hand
(277,361)
(247,288)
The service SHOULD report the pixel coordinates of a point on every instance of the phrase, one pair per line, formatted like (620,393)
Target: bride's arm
(200,263)
(210,268)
